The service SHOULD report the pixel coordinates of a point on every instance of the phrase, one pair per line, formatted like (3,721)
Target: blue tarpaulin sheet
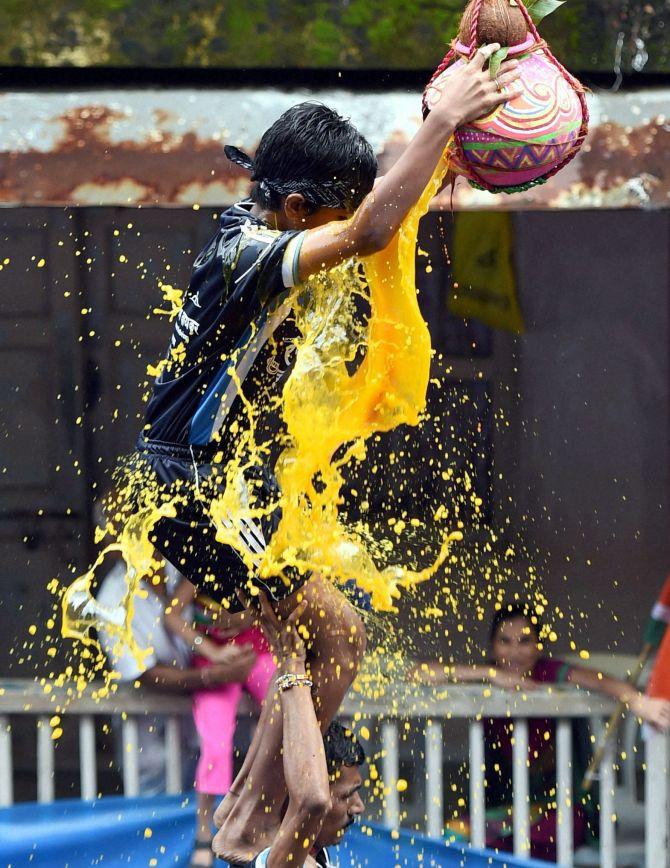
(116,832)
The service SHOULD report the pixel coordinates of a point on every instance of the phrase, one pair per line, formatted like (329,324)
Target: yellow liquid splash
(326,408)
(329,413)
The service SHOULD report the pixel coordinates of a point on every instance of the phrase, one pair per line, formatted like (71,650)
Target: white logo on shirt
(186,326)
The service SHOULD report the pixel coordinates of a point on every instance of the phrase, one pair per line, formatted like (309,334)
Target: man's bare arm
(304,758)
(469,93)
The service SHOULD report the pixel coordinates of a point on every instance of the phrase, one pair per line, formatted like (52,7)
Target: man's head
(344,756)
(311,166)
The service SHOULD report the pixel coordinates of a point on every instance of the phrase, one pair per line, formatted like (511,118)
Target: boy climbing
(311,208)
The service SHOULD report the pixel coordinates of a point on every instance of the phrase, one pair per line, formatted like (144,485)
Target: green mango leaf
(539,9)
(496,59)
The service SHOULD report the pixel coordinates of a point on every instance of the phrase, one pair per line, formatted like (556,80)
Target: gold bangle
(291,679)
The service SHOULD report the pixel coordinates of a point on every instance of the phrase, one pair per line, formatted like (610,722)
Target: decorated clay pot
(527,139)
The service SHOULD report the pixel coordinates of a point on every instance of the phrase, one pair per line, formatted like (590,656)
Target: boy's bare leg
(337,602)
(237,786)
(250,815)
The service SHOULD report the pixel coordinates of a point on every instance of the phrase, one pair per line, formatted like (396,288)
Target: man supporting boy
(311,170)
(321,773)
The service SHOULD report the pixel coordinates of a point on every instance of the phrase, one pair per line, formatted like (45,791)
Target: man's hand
(470,92)
(233,664)
(652,710)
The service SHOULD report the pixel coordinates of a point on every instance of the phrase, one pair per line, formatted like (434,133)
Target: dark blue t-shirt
(235,325)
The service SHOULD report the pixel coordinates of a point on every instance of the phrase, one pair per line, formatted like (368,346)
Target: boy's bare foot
(241,839)
(224,808)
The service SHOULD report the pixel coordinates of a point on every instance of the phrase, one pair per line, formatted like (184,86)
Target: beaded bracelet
(290,679)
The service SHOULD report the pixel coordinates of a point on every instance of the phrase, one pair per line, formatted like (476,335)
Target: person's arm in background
(469,93)
(652,710)
(172,679)
(435,673)
(167,676)
(228,625)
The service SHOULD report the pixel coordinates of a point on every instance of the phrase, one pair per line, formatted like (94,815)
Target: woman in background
(518,661)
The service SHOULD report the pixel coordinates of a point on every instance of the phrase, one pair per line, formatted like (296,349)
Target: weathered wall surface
(580,484)
(165,147)
(591,422)
(581,400)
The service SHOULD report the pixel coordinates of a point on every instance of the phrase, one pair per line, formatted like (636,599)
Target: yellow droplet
(41,263)
(148,832)
(401,786)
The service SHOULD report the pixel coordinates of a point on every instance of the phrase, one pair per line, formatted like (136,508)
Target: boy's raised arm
(469,93)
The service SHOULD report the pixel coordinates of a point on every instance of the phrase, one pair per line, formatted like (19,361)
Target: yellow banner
(484,285)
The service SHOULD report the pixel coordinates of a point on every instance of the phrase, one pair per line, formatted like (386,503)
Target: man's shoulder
(321,860)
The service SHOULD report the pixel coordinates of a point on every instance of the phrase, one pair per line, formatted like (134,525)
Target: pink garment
(254,637)
(215,716)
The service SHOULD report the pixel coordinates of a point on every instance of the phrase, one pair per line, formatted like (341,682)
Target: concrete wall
(580,447)
(591,413)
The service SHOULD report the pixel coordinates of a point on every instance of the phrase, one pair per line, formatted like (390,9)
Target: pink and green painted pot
(527,139)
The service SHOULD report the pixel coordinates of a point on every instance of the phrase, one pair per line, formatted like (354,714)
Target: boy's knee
(352,640)
(355,633)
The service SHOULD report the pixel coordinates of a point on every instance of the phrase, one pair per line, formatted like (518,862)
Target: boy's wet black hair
(314,151)
(342,748)
(512,611)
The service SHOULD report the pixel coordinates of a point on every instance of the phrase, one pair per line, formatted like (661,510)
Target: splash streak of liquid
(329,412)
(325,408)
(80,609)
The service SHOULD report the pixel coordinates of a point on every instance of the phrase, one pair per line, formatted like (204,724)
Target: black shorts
(188,541)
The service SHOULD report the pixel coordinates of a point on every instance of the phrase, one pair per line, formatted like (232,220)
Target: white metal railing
(474,703)
(429,713)
(26,698)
